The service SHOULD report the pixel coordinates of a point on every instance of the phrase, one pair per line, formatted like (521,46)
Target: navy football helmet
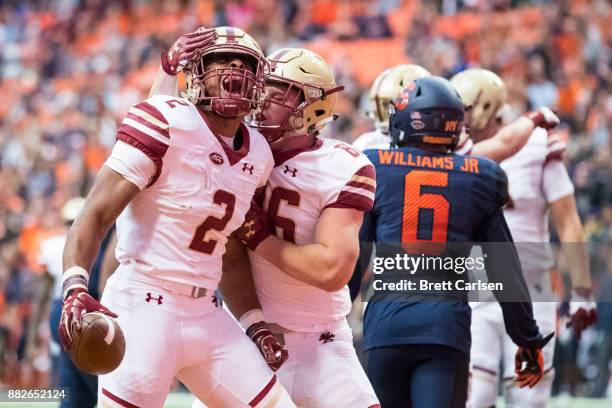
(429,111)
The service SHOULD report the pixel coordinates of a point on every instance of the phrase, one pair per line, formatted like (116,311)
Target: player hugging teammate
(179,180)
(269,213)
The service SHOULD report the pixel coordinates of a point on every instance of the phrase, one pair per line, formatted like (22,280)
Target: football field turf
(184,400)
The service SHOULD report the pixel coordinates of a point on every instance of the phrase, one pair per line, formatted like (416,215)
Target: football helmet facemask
(239,89)
(386,87)
(301,71)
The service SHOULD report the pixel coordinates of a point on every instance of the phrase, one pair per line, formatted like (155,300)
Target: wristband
(251,317)
(74,277)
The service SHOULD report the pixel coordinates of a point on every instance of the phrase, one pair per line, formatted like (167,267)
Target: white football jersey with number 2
(176,228)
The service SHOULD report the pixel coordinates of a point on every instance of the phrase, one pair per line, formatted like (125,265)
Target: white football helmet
(304,71)
(243,88)
(483,93)
(386,87)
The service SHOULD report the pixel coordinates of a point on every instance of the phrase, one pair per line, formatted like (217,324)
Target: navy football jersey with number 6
(426,201)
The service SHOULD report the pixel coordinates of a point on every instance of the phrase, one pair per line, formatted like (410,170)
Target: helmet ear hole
(418,92)
(319,112)
(486,106)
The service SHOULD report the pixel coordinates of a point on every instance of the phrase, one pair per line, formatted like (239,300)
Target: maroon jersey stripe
(262,394)
(144,122)
(358,184)
(153,145)
(118,400)
(367,171)
(151,110)
(352,200)
(153,152)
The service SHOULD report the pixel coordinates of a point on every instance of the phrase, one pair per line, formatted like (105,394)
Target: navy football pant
(82,388)
(418,375)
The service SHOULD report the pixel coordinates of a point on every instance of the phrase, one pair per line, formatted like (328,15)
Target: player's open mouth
(233,83)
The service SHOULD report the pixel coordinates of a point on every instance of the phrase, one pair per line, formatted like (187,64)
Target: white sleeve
(132,164)
(556,183)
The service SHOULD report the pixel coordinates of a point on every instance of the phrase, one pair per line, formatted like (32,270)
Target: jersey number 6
(414,202)
(207,246)
(292,198)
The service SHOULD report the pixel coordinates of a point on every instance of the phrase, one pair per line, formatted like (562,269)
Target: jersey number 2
(414,201)
(207,246)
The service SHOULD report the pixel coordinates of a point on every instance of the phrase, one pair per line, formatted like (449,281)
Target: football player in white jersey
(303,247)
(385,88)
(539,185)
(503,143)
(179,180)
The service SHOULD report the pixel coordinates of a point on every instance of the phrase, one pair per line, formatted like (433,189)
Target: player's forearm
(83,242)
(315,264)
(236,283)
(569,228)
(164,84)
(110,194)
(506,142)
(576,252)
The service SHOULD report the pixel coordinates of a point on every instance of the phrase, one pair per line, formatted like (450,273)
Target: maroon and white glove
(77,302)
(544,118)
(270,348)
(255,228)
(188,47)
(583,311)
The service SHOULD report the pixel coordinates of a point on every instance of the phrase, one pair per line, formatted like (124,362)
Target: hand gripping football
(99,346)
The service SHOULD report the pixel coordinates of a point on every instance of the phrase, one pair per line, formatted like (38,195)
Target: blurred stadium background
(70,69)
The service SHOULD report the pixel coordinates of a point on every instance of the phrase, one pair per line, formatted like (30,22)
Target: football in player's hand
(99,345)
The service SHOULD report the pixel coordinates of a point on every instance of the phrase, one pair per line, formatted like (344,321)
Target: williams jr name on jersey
(177,227)
(302,184)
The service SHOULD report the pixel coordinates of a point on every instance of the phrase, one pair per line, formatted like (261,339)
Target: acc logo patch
(417,124)
(216,158)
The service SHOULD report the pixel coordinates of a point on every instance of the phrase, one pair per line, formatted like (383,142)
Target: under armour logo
(249,227)
(290,170)
(327,337)
(150,298)
(248,167)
